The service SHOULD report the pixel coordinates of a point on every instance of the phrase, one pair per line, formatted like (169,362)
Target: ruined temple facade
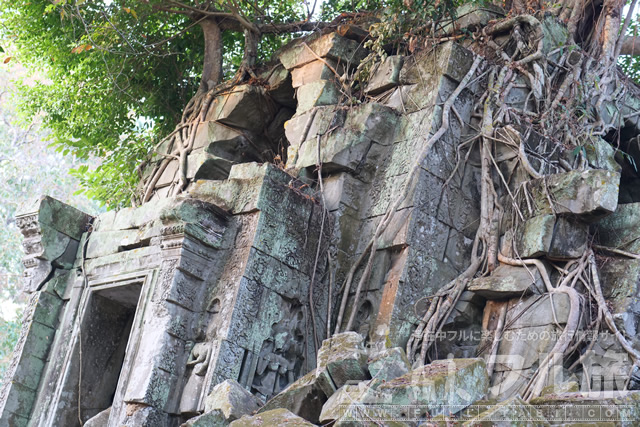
(135,316)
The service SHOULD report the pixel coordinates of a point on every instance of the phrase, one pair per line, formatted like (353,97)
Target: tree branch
(630,46)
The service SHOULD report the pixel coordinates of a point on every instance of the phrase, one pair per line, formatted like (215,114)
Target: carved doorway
(104,334)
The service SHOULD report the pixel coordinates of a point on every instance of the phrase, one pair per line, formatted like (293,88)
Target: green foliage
(630,64)
(27,169)
(104,67)
(9,333)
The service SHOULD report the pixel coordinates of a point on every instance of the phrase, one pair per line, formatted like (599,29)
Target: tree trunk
(250,49)
(212,66)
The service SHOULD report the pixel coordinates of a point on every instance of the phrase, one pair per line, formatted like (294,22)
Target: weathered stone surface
(511,412)
(620,280)
(232,400)
(317,93)
(566,387)
(315,71)
(385,76)
(52,231)
(601,155)
(304,397)
(508,281)
(355,405)
(344,358)
(360,138)
(592,194)
(622,407)
(622,228)
(443,386)
(471,16)
(451,59)
(556,237)
(275,417)
(330,46)
(280,88)
(99,420)
(244,106)
(389,364)
(213,418)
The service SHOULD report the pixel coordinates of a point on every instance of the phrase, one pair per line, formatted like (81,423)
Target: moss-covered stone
(444,386)
(275,417)
(511,412)
(304,397)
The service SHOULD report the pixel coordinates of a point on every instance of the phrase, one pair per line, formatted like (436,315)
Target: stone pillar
(52,231)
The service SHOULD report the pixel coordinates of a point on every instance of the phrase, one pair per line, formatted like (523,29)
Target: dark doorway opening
(104,335)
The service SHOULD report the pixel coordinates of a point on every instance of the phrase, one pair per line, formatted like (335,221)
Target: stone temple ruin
(223,298)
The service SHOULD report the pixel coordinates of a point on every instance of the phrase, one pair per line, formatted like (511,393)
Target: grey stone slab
(508,281)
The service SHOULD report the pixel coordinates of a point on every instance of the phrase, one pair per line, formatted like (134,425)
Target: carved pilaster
(52,231)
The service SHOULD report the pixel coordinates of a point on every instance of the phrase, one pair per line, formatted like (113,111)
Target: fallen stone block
(318,93)
(508,281)
(209,419)
(232,399)
(620,408)
(355,405)
(389,364)
(385,76)
(566,387)
(443,386)
(304,397)
(513,411)
(344,359)
(332,46)
(275,417)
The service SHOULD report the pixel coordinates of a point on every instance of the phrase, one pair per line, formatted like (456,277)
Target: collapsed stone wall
(231,283)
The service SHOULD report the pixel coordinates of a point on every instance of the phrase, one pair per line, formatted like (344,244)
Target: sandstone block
(315,71)
(213,418)
(232,400)
(275,417)
(513,411)
(592,194)
(555,237)
(508,281)
(389,364)
(444,386)
(317,93)
(566,387)
(244,106)
(332,46)
(385,76)
(601,155)
(355,405)
(344,358)
(303,397)
(621,229)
